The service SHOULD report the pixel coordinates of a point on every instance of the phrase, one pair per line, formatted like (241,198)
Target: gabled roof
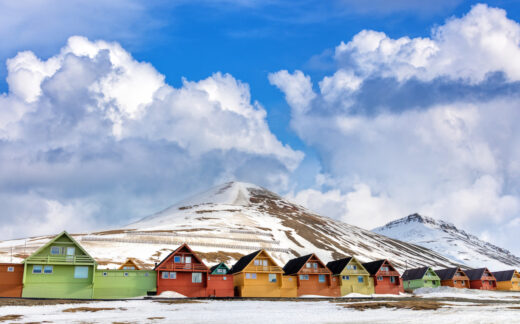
(219,265)
(504,275)
(294,265)
(244,261)
(475,274)
(64,233)
(128,262)
(337,266)
(446,274)
(414,274)
(374,266)
(184,245)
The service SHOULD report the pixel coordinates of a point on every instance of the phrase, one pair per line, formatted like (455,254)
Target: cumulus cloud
(93,132)
(418,125)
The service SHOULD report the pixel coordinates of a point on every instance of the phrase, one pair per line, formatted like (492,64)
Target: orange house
(182,271)
(453,277)
(11,278)
(220,281)
(312,276)
(386,278)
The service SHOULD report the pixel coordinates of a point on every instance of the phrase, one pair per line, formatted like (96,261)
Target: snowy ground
(378,310)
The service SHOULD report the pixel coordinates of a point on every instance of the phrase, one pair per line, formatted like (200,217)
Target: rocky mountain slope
(451,242)
(232,220)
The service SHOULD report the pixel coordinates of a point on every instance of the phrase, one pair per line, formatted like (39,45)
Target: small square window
(47,269)
(308,265)
(321,278)
(105,274)
(258,262)
(177,259)
(248,276)
(187,259)
(164,275)
(224,278)
(37,269)
(146,274)
(196,277)
(80,272)
(265,263)
(55,250)
(360,279)
(355,267)
(392,279)
(10,269)
(253,276)
(272,277)
(379,278)
(126,274)
(290,279)
(173,275)
(315,265)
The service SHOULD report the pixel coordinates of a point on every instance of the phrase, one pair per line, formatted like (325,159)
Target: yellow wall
(289,286)
(352,285)
(509,285)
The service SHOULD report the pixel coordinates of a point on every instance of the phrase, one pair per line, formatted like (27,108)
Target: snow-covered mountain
(449,241)
(232,220)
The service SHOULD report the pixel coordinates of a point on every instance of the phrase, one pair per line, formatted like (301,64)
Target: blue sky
(150,102)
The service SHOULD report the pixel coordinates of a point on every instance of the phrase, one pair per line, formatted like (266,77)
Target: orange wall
(314,287)
(451,283)
(218,287)
(11,282)
(386,287)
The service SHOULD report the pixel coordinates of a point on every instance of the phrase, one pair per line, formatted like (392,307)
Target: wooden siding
(11,281)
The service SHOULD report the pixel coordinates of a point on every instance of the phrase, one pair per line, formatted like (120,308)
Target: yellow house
(353,277)
(258,275)
(507,280)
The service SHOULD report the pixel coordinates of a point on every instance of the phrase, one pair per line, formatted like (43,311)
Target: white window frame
(196,277)
(80,275)
(253,276)
(173,275)
(187,259)
(48,267)
(270,277)
(35,266)
(320,278)
(304,277)
(308,265)
(56,247)
(125,274)
(165,275)
(10,269)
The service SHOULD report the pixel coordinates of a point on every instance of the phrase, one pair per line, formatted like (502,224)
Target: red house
(182,271)
(386,278)
(481,279)
(11,277)
(220,282)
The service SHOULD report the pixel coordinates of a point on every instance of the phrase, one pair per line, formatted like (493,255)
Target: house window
(349,267)
(10,269)
(321,278)
(177,259)
(360,279)
(129,268)
(455,281)
(380,278)
(224,278)
(290,278)
(392,279)
(80,272)
(173,275)
(253,276)
(105,274)
(55,250)
(196,277)
(272,277)
(47,269)
(345,277)
(37,269)
(126,274)
(164,275)
(384,268)
(146,274)
(304,277)
(355,267)
(248,276)
(315,265)
(187,259)
(308,265)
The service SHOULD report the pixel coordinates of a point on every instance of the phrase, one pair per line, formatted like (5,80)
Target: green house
(128,283)
(419,278)
(219,269)
(59,269)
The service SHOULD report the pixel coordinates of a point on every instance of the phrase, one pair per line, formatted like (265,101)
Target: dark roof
(446,274)
(337,266)
(475,274)
(504,275)
(373,267)
(414,274)
(213,268)
(294,265)
(243,262)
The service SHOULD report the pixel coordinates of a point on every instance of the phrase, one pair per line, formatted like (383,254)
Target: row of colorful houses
(63,269)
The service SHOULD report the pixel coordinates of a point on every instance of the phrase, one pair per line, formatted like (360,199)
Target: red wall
(451,283)
(11,282)
(314,287)
(218,287)
(183,284)
(483,284)
(386,287)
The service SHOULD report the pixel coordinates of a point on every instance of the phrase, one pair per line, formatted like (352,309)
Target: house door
(70,253)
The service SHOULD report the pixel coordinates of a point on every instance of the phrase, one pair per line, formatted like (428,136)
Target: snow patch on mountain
(453,243)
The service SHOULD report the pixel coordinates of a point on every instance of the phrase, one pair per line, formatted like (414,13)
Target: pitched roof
(184,245)
(243,262)
(504,275)
(128,262)
(337,266)
(446,274)
(64,233)
(475,274)
(414,274)
(294,265)
(213,268)
(373,267)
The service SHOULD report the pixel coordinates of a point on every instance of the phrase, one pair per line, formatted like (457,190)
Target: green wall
(430,280)
(113,284)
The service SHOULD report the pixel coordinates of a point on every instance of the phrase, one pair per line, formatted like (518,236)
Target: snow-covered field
(245,311)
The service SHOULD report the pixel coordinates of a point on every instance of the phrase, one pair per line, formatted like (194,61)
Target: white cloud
(92,124)
(453,154)
(296,86)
